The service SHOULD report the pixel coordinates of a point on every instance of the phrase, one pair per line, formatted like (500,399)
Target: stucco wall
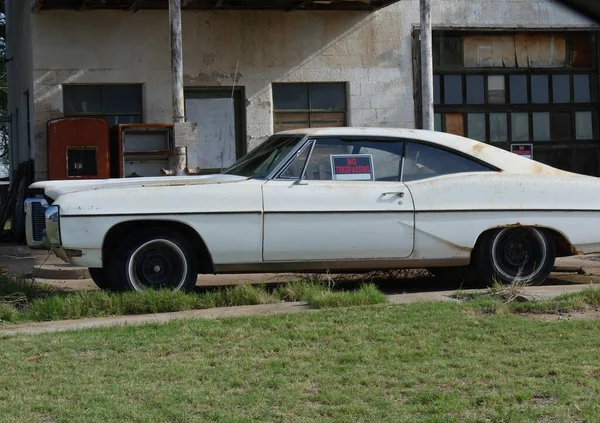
(371,52)
(19,74)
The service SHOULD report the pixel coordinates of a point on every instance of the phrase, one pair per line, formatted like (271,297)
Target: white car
(331,199)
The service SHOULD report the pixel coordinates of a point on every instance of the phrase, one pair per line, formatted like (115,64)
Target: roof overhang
(287,5)
(589,8)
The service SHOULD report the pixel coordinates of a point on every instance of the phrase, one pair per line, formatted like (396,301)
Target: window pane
(437,122)
(539,89)
(455,124)
(290,96)
(436,90)
(584,129)
(475,90)
(561,127)
(496,89)
(453,54)
(582,51)
(518,89)
(319,165)
(498,127)
(288,121)
(80,99)
(423,161)
(520,126)
(476,126)
(386,159)
(328,96)
(327,120)
(437,43)
(453,92)
(294,170)
(561,89)
(122,99)
(581,87)
(541,126)
(120,119)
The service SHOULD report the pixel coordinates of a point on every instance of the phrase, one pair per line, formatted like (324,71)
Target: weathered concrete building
(507,72)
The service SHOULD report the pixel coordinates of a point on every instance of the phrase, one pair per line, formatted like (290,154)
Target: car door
(349,204)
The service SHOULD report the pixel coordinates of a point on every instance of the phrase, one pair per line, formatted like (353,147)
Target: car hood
(54,189)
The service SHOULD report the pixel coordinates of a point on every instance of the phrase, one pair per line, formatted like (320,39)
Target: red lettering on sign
(351,161)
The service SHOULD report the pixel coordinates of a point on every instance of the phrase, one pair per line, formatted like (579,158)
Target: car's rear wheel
(523,255)
(100,278)
(154,259)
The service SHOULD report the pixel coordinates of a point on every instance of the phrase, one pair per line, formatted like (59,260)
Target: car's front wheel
(523,255)
(154,259)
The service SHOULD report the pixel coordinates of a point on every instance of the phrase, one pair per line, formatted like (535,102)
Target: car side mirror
(300,181)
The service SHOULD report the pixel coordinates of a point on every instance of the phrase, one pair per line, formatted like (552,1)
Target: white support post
(176,60)
(426,65)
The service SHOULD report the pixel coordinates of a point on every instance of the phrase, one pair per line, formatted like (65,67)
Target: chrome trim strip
(150,215)
(338,266)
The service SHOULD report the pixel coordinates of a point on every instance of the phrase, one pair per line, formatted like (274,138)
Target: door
(349,205)
(220,119)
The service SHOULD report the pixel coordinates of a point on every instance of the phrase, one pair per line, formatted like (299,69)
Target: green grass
(365,295)
(386,363)
(489,303)
(24,301)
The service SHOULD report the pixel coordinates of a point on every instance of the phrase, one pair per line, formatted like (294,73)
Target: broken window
(496,89)
(310,105)
(117,103)
(535,87)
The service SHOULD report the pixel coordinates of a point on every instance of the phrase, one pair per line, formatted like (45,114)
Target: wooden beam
(37,6)
(135,6)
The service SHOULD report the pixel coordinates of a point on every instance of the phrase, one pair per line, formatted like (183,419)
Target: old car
(331,199)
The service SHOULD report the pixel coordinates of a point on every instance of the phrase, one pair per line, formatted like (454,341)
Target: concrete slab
(542,292)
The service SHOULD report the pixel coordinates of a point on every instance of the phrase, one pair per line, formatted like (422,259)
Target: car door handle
(399,194)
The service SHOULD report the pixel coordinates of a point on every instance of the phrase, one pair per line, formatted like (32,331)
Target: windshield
(261,161)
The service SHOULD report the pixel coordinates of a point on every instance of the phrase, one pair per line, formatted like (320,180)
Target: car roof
(497,157)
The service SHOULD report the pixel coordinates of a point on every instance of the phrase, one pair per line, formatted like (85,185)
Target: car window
(294,170)
(423,161)
(375,160)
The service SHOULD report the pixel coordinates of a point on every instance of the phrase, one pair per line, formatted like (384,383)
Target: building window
(313,105)
(117,103)
(534,87)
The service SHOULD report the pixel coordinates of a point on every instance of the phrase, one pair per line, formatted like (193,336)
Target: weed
(366,295)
